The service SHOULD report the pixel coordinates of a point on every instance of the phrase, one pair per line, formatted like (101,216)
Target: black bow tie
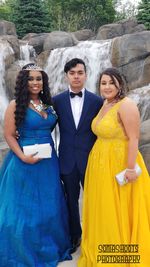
(75,94)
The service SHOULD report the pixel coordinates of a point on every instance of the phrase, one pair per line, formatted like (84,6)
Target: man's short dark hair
(73,63)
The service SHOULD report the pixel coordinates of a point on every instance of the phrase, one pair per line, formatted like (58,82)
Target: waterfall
(95,54)
(5,51)
(142,98)
(27,52)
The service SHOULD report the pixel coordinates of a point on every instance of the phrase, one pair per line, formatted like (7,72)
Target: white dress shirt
(76,106)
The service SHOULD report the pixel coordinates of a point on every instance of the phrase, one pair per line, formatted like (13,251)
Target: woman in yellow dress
(116,218)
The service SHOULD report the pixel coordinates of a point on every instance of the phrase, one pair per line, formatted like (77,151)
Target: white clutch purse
(40,150)
(120,176)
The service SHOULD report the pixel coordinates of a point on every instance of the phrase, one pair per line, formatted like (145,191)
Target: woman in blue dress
(33,215)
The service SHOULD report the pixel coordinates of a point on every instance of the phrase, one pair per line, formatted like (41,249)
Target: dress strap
(118,104)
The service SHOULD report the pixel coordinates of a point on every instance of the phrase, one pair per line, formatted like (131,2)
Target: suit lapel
(85,108)
(68,108)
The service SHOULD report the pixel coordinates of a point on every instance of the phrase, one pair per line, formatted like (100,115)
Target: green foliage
(49,15)
(143,15)
(28,16)
(72,15)
(5,11)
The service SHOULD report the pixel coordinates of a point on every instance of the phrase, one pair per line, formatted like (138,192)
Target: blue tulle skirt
(33,214)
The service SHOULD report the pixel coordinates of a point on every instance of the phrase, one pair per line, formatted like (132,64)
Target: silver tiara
(32,67)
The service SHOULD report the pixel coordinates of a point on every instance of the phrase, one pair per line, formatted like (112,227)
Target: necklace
(39,107)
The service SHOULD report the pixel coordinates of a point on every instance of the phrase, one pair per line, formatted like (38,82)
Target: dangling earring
(41,92)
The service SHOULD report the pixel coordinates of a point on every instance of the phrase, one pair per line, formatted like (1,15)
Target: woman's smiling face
(109,89)
(35,82)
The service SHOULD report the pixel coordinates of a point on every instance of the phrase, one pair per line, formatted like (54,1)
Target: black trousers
(72,183)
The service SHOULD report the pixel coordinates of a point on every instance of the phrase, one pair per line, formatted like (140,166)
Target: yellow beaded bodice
(109,127)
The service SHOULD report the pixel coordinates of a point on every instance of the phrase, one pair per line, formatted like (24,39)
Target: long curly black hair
(22,96)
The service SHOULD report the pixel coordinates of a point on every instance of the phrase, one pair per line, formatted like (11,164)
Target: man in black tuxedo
(76,108)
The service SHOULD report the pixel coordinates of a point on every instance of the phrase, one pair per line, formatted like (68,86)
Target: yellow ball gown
(116,219)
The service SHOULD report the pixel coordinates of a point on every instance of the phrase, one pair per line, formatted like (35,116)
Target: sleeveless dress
(33,215)
(116,219)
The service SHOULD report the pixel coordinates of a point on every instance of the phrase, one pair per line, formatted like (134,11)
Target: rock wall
(130,52)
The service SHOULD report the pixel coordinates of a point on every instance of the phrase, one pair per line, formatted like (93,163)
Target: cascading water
(142,97)
(5,51)
(95,54)
(97,57)
(27,52)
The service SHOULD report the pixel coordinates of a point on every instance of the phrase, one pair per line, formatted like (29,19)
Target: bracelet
(130,170)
